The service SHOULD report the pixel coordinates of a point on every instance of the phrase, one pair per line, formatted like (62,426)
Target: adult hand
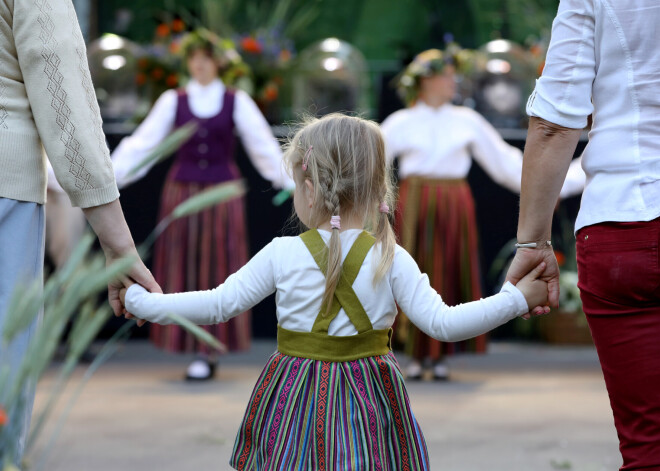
(526,260)
(109,224)
(138,273)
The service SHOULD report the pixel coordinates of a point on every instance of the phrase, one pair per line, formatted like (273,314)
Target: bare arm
(548,153)
(109,224)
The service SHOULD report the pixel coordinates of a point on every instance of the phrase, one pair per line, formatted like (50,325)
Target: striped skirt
(436,224)
(199,252)
(309,415)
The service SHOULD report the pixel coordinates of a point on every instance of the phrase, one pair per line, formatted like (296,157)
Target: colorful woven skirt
(436,224)
(309,415)
(197,253)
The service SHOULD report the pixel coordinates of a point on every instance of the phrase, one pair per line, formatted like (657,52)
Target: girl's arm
(260,144)
(426,309)
(132,150)
(238,293)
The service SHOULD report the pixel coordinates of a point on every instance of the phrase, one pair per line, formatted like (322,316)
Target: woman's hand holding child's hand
(122,298)
(535,290)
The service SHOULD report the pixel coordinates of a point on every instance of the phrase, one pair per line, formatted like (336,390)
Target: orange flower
(172,81)
(140,79)
(285,55)
(178,25)
(162,30)
(3,417)
(561,258)
(251,45)
(535,50)
(157,73)
(175,47)
(270,92)
(143,63)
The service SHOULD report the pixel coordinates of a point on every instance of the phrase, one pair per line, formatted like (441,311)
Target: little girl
(332,395)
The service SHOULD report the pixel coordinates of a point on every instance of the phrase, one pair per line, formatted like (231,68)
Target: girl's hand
(535,290)
(122,296)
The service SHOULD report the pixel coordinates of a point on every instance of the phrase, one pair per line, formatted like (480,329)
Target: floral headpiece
(429,63)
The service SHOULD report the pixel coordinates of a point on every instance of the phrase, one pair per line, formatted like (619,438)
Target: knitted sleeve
(53,60)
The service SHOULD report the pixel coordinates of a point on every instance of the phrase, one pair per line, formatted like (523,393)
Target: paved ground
(519,408)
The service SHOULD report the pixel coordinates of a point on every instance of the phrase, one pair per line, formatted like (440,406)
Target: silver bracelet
(531,245)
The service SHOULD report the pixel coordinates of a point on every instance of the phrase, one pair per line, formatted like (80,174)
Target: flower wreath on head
(230,61)
(428,63)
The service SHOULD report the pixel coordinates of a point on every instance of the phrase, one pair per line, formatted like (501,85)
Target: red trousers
(619,281)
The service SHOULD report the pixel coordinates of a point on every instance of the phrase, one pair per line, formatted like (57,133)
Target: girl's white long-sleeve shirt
(286,267)
(205,101)
(441,142)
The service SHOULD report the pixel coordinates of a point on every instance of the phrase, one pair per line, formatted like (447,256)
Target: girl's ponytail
(334,252)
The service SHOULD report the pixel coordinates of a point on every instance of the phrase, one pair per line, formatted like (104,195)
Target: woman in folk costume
(200,251)
(435,142)
(332,396)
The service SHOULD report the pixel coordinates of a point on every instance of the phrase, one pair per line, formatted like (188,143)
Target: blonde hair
(349,172)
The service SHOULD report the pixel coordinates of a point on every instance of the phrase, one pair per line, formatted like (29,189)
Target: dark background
(497,217)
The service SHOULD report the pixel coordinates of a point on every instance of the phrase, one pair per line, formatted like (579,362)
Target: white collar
(422,106)
(194,87)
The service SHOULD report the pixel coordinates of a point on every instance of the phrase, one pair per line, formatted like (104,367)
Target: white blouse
(286,267)
(440,143)
(604,59)
(205,101)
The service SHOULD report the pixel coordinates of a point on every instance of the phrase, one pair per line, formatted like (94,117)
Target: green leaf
(167,147)
(214,195)
(198,332)
(281,197)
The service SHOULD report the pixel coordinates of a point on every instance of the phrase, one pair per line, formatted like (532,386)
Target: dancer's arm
(237,294)
(392,133)
(427,310)
(133,150)
(504,162)
(261,146)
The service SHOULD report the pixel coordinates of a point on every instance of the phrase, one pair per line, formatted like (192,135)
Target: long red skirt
(197,253)
(436,224)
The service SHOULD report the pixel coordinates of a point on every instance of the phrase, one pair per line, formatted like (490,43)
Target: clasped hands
(536,273)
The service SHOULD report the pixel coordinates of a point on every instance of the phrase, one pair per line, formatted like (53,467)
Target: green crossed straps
(317,344)
(344,295)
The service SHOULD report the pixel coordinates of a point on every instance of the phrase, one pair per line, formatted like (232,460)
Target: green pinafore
(327,402)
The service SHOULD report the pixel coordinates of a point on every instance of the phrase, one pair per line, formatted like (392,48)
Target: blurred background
(295,57)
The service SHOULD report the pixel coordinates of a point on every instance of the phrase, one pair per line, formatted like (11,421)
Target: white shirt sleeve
(133,150)
(390,135)
(238,293)
(563,93)
(261,146)
(426,309)
(501,161)
(575,180)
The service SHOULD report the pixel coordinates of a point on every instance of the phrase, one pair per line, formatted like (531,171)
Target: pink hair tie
(383,208)
(306,158)
(335,222)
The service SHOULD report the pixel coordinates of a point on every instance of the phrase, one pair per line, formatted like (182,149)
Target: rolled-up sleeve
(563,93)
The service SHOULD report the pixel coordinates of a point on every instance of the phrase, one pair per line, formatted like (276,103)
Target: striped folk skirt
(309,415)
(199,252)
(436,224)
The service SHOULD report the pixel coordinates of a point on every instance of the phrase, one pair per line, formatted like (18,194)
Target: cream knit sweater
(47,101)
